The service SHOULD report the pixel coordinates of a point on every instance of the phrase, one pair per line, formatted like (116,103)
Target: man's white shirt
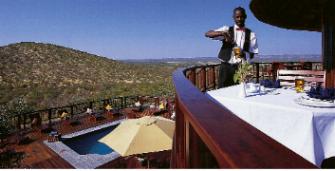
(239,38)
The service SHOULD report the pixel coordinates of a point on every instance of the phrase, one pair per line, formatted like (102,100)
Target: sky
(141,29)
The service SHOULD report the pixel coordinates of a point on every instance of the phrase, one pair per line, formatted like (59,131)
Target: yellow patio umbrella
(143,135)
(109,107)
(161,106)
(64,114)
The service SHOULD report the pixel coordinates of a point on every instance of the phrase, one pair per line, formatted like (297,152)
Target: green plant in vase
(243,73)
(241,76)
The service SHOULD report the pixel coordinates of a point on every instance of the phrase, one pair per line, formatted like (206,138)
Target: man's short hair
(242,11)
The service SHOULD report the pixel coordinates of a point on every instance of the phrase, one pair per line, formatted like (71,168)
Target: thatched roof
(292,14)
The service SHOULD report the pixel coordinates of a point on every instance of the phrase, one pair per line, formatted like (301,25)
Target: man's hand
(226,36)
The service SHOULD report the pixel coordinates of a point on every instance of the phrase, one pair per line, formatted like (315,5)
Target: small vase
(242,93)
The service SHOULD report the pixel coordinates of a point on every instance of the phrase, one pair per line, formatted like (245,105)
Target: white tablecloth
(308,131)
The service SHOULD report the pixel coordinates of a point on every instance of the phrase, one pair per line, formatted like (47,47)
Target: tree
(8,158)
(5,127)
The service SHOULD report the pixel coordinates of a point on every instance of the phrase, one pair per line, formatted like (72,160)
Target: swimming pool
(88,143)
(82,149)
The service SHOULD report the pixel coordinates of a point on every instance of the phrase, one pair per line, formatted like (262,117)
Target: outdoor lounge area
(42,145)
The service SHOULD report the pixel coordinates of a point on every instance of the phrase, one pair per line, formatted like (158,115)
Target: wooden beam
(257,72)
(328,44)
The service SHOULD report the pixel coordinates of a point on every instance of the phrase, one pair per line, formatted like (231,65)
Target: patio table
(308,131)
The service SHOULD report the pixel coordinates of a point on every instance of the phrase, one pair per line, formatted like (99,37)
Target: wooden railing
(205,77)
(208,135)
(51,116)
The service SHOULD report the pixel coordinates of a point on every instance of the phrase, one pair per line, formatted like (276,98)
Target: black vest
(226,49)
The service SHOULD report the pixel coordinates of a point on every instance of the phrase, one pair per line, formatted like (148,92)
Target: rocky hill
(47,75)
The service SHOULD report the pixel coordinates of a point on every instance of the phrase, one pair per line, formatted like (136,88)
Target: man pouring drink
(238,44)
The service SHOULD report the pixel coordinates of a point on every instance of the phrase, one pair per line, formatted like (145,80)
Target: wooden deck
(38,156)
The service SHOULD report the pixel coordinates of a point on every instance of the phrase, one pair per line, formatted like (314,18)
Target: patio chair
(22,137)
(287,77)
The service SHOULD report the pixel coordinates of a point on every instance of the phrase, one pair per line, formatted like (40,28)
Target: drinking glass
(299,85)
(313,86)
(237,52)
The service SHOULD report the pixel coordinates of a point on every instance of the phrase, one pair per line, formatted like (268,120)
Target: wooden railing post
(257,72)
(156,101)
(213,76)
(18,122)
(202,79)
(201,157)
(49,118)
(216,76)
(210,77)
(275,67)
(328,45)
(187,142)
(191,76)
(71,111)
(123,102)
(141,99)
(179,153)
(24,120)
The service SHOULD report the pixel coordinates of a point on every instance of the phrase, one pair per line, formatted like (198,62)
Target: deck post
(203,79)
(49,118)
(122,102)
(179,151)
(328,45)
(91,105)
(213,77)
(157,101)
(24,120)
(216,76)
(275,67)
(71,112)
(18,122)
(210,77)
(125,101)
(201,156)
(257,72)
(192,76)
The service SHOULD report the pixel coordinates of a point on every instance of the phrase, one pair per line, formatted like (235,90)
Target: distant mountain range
(208,60)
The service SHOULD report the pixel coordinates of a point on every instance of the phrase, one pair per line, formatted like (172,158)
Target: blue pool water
(88,143)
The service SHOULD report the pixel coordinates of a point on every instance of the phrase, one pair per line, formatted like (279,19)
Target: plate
(312,102)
